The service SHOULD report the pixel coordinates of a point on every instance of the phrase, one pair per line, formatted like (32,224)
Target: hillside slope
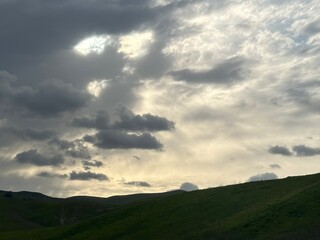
(277,209)
(30,210)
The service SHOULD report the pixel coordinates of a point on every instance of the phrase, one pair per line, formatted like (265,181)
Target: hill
(29,210)
(277,209)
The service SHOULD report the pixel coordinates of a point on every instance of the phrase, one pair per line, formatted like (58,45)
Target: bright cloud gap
(93,45)
(95,87)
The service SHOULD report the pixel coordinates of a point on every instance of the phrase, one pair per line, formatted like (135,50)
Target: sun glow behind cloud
(96,87)
(93,44)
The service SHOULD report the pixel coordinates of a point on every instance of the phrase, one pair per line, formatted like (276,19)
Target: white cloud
(95,87)
(156,3)
(262,177)
(225,130)
(93,44)
(136,44)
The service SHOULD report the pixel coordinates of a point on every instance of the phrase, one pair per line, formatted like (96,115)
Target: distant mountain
(276,209)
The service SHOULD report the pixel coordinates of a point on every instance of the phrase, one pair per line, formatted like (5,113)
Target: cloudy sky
(116,97)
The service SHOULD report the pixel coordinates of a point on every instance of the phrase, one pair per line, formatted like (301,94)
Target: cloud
(33,157)
(187,186)
(305,151)
(107,139)
(75,148)
(51,97)
(280,150)
(83,19)
(303,96)
(230,71)
(83,176)
(29,134)
(155,64)
(87,176)
(146,122)
(136,44)
(313,27)
(128,122)
(5,85)
(88,164)
(96,87)
(52,175)
(275,166)
(100,121)
(248,73)
(298,150)
(262,177)
(138,184)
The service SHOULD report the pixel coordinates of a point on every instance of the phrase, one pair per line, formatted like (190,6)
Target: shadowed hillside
(29,210)
(277,209)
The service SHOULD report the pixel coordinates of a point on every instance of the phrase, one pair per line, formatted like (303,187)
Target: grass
(277,209)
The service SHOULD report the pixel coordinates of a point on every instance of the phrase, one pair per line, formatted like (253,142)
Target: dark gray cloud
(75,148)
(33,157)
(108,139)
(100,121)
(52,175)
(302,95)
(128,122)
(39,44)
(51,97)
(146,122)
(187,186)
(138,184)
(29,134)
(87,176)
(94,163)
(313,27)
(298,150)
(114,93)
(280,150)
(275,166)
(227,72)
(74,68)
(155,64)
(262,177)
(113,135)
(83,176)
(5,85)
(305,151)
(44,26)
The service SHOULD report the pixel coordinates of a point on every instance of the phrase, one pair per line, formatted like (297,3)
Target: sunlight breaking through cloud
(94,44)
(96,87)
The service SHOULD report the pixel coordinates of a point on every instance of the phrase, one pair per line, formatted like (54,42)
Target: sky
(116,97)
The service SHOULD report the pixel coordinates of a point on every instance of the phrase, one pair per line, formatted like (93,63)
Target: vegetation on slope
(277,209)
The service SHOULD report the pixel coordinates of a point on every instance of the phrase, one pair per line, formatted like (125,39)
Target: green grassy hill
(26,210)
(277,209)
(29,210)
